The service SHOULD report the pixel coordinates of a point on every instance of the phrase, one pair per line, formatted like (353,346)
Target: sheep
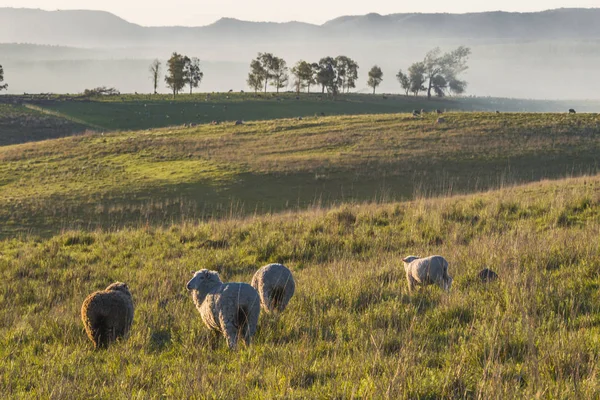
(239,122)
(427,271)
(572,111)
(439,111)
(487,275)
(275,285)
(441,120)
(231,309)
(107,314)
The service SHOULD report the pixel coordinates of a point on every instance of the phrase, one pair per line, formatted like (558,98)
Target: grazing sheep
(239,122)
(441,120)
(427,271)
(416,112)
(229,308)
(572,111)
(439,111)
(487,275)
(497,112)
(275,285)
(107,314)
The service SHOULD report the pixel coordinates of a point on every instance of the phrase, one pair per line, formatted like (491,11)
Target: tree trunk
(429,89)
(374,89)
(266,82)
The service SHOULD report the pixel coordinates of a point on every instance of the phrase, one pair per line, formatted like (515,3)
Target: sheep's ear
(405,259)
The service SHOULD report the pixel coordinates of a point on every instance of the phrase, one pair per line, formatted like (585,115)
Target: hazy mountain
(96,28)
(550,54)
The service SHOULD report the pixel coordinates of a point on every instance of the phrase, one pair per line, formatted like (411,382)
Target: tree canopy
(303,75)
(175,78)
(193,74)
(442,70)
(375,77)
(404,81)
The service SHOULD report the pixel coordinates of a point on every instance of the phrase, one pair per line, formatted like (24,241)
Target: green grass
(133,112)
(19,124)
(351,330)
(163,175)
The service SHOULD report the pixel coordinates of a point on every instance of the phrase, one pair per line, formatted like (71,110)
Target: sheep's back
(429,268)
(273,276)
(227,299)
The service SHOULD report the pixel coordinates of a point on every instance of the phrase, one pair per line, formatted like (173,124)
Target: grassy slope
(353,332)
(19,124)
(130,112)
(157,176)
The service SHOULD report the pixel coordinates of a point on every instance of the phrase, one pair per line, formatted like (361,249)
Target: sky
(197,13)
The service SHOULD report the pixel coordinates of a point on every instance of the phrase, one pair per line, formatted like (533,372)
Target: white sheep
(275,285)
(427,271)
(229,308)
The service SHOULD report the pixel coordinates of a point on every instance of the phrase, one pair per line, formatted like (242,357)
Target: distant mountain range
(546,55)
(102,29)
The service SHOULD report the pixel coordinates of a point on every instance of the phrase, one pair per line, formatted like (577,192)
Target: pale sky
(203,12)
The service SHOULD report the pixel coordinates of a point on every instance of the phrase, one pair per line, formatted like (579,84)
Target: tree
(303,75)
(416,75)
(440,69)
(256,76)
(2,87)
(192,72)
(327,75)
(313,79)
(375,77)
(266,62)
(176,79)
(279,73)
(347,72)
(404,81)
(155,71)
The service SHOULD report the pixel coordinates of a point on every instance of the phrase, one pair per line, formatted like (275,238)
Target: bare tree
(155,71)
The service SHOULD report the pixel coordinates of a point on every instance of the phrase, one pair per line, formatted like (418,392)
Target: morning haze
(539,54)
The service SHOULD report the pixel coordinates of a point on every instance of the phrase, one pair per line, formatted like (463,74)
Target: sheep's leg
(231,334)
(411,283)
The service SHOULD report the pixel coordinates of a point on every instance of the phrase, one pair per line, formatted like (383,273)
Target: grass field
(352,330)
(135,112)
(163,175)
(19,124)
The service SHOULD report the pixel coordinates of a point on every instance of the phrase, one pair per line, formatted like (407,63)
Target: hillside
(158,176)
(19,124)
(352,330)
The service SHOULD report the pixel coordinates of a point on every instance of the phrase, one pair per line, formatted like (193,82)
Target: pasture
(340,200)
(160,176)
(19,124)
(352,330)
(137,112)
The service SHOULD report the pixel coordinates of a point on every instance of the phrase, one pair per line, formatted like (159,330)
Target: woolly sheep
(108,314)
(275,285)
(427,271)
(229,308)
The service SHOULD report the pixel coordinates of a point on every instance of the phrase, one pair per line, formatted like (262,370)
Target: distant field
(352,330)
(132,112)
(19,124)
(163,175)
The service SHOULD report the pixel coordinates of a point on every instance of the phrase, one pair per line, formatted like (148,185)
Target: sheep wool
(275,286)
(427,271)
(108,314)
(231,309)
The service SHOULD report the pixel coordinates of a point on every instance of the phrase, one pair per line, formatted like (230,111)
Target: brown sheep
(107,314)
